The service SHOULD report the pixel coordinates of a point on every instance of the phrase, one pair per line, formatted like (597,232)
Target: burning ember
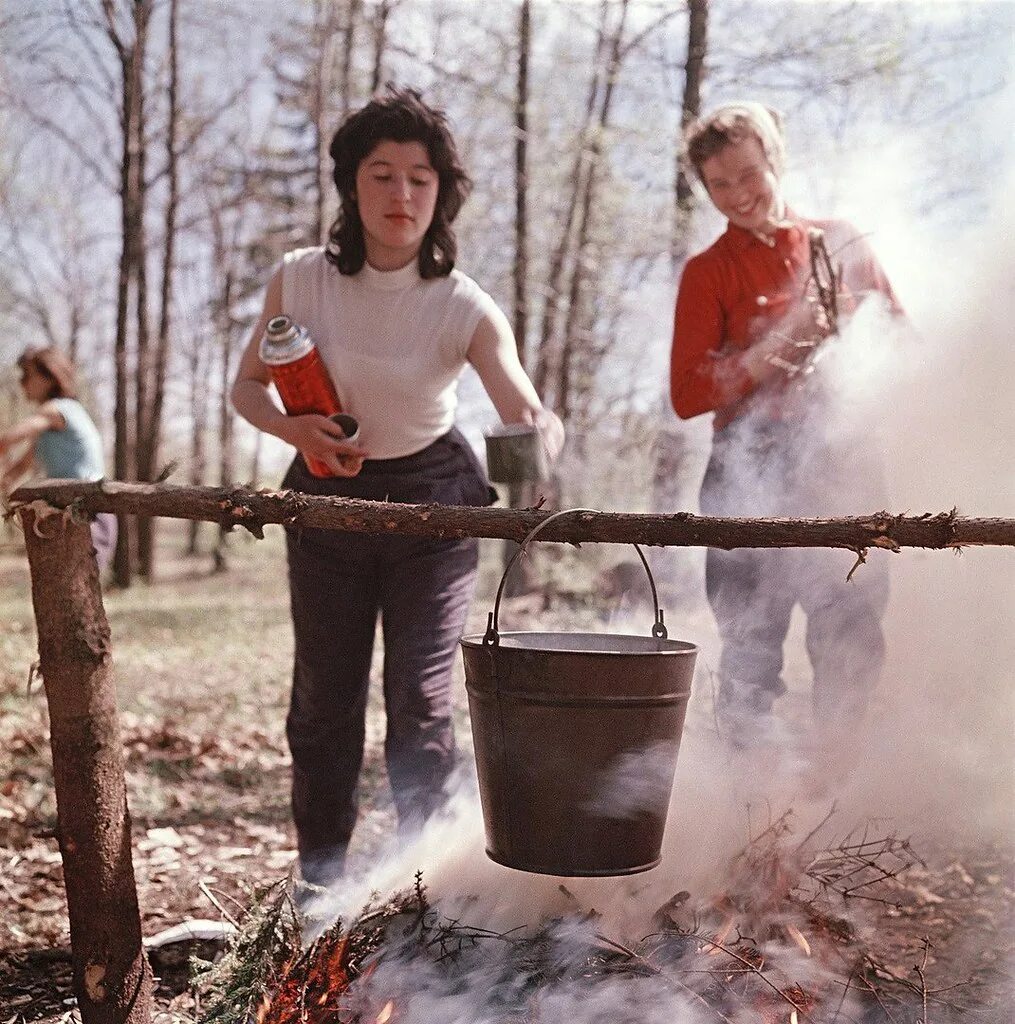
(775,946)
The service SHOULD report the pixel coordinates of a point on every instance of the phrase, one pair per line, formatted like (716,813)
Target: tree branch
(240,506)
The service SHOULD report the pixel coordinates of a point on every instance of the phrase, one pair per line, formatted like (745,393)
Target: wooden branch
(252,510)
(112,977)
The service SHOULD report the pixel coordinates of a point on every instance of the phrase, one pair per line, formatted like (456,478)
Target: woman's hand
(319,438)
(551,430)
(314,435)
(787,346)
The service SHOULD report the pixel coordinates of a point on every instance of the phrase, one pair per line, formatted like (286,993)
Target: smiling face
(743,186)
(396,193)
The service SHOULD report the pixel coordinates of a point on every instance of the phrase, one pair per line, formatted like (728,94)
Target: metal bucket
(576,738)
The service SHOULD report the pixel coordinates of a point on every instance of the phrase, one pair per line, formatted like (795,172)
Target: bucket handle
(492,637)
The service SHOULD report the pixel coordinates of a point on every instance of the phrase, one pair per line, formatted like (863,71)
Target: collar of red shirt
(789,231)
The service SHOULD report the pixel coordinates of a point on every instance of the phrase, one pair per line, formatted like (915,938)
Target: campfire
(779,943)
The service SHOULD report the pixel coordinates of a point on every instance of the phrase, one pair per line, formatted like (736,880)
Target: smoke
(637,782)
(499,988)
(935,754)
(934,757)
(940,744)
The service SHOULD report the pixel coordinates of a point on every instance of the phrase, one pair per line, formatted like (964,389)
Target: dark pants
(339,583)
(778,469)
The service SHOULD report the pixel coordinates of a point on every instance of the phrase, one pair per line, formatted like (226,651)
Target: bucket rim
(679,648)
(571,871)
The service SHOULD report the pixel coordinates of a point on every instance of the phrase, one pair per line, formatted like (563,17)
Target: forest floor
(202,666)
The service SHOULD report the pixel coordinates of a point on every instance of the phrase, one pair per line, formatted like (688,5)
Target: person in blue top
(59,437)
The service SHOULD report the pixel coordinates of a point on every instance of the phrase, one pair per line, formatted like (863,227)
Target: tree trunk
(352,9)
(524,580)
(112,977)
(226,472)
(132,269)
(671,482)
(381,15)
(143,378)
(690,108)
(226,477)
(123,462)
(149,446)
(580,265)
(199,389)
(323,34)
(521,267)
(545,357)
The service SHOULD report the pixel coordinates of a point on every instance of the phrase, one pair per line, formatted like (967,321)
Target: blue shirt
(74,453)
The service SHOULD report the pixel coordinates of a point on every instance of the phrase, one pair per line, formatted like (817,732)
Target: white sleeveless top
(395,345)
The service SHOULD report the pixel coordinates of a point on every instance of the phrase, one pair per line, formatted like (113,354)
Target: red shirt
(736,291)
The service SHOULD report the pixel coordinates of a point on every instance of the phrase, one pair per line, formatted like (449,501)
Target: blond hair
(733,123)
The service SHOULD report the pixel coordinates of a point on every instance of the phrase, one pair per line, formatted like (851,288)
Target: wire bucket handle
(492,637)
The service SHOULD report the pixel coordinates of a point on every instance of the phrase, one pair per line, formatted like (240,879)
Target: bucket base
(543,869)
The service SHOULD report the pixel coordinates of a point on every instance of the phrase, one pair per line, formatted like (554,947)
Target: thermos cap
(348,423)
(284,342)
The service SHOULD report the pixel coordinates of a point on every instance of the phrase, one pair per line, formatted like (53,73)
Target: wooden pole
(254,509)
(112,977)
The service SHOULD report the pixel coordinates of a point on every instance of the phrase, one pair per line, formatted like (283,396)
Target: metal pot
(576,738)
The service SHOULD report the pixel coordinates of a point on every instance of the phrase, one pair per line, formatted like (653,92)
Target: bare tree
(518,492)
(224,251)
(555,272)
(53,278)
(149,420)
(353,10)
(314,75)
(521,263)
(690,108)
(670,453)
(130,44)
(198,373)
(583,267)
(381,16)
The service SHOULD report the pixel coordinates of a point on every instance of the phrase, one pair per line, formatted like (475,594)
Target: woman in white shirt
(395,324)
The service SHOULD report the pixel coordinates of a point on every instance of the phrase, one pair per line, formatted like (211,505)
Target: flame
(720,937)
(263,1009)
(792,1015)
(385,1015)
(301,989)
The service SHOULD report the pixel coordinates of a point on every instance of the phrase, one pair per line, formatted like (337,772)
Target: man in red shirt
(753,314)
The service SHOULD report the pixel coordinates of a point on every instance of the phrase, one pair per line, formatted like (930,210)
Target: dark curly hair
(399,115)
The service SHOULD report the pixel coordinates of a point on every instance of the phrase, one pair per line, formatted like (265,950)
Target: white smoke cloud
(935,757)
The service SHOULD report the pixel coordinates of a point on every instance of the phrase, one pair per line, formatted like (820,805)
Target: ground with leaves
(202,664)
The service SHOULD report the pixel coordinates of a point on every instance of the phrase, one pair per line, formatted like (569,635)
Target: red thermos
(299,374)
